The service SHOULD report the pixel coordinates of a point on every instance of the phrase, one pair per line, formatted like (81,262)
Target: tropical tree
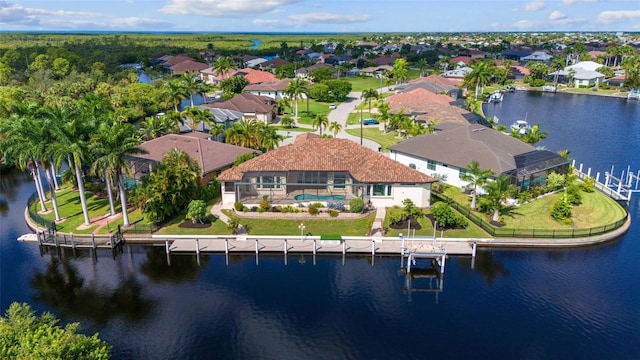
(557,65)
(296,88)
(223,65)
(400,70)
(28,336)
(287,121)
(321,122)
(197,116)
(191,85)
(111,146)
(497,192)
(564,153)
(533,136)
(335,128)
(217,130)
(478,77)
(369,94)
(154,126)
(476,177)
(176,91)
(422,65)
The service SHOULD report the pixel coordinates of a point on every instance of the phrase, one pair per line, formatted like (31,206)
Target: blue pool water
(319,197)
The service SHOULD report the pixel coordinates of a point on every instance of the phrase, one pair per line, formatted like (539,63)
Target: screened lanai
(532,168)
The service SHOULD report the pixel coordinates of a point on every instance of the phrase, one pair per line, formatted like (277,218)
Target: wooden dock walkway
(312,244)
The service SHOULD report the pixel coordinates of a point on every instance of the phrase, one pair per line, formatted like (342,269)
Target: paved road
(341,114)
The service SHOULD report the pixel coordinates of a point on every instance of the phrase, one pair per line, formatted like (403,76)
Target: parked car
(370,122)
(332,106)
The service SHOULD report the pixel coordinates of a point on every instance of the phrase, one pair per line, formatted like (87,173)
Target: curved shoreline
(497,243)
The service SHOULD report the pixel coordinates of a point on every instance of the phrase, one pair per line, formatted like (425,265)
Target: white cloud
(299,20)
(16,14)
(557,15)
(609,17)
(535,5)
(571,2)
(223,8)
(525,25)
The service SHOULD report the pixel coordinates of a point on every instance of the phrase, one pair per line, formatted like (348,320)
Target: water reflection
(11,179)
(485,265)
(182,268)
(61,287)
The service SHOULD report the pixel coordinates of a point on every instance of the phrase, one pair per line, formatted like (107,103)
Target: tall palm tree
(73,140)
(422,65)
(153,126)
(242,134)
(295,89)
(267,137)
(197,116)
(335,128)
(557,65)
(497,192)
(176,91)
(476,177)
(217,130)
(321,122)
(191,85)
(223,66)
(369,94)
(479,76)
(113,143)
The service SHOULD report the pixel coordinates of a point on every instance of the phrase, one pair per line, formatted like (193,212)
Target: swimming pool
(300,197)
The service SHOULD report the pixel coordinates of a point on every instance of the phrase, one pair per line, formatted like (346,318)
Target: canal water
(513,304)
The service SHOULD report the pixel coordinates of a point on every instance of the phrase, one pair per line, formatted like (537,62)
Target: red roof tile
(311,152)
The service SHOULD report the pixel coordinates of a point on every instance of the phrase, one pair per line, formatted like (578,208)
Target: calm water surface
(533,304)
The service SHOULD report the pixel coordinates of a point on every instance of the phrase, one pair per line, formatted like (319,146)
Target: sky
(321,15)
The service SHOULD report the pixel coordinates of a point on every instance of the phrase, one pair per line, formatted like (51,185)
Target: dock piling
(315,247)
(226,246)
(197,246)
(285,250)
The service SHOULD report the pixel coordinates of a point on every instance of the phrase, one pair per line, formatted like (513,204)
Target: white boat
(496,97)
(28,237)
(634,94)
(521,126)
(549,88)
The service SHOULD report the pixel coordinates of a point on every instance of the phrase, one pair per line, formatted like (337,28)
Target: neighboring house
(272,89)
(616,81)
(376,71)
(584,74)
(416,97)
(304,72)
(169,61)
(339,170)
(213,157)
(537,56)
(187,67)
(514,54)
(211,76)
(383,60)
(220,116)
(458,73)
(460,61)
(448,152)
(255,62)
(431,83)
(252,107)
(273,64)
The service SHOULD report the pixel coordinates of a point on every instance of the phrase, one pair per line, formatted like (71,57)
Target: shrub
(196,211)
(333,212)
(254,208)
(444,215)
(562,209)
(276,209)
(573,194)
(264,203)
(317,204)
(485,205)
(288,209)
(238,206)
(210,191)
(589,185)
(356,205)
(314,208)
(395,218)
(556,181)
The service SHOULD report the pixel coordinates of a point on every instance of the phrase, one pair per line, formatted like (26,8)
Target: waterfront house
(211,76)
(252,107)
(273,89)
(448,152)
(187,67)
(213,157)
(327,169)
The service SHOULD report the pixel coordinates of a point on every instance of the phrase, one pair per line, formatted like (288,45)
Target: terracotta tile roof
(253,76)
(176,59)
(435,112)
(275,63)
(210,155)
(310,152)
(522,70)
(189,65)
(279,85)
(458,59)
(418,96)
(441,80)
(245,103)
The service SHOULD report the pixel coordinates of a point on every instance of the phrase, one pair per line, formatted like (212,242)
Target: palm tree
(153,126)
(557,65)
(113,143)
(242,134)
(217,130)
(176,91)
(335,128)
(197,116)
(295,89)
(422,65)
(286,122)
(564,153)
(321,122)
(73,140)
(383,113)
(497,192)
(476,177)
(223,65)
(267,137)
(479,76)
(369,94)
(534,135)
(191,85)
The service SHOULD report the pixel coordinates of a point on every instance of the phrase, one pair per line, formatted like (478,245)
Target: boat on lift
(496,96)
(634,94)
(521,126)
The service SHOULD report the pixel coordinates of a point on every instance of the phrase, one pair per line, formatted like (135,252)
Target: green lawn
(71,210)
(360,83)
(372,133)
(359,227)
(315,108)
(472,230)
(597,209)
(354,118)
(298,129)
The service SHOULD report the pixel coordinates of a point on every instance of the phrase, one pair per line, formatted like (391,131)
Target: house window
(338,181)
(462,173)
(413,166)
(266,182)
(379,190)
(228,186)
(431,165)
